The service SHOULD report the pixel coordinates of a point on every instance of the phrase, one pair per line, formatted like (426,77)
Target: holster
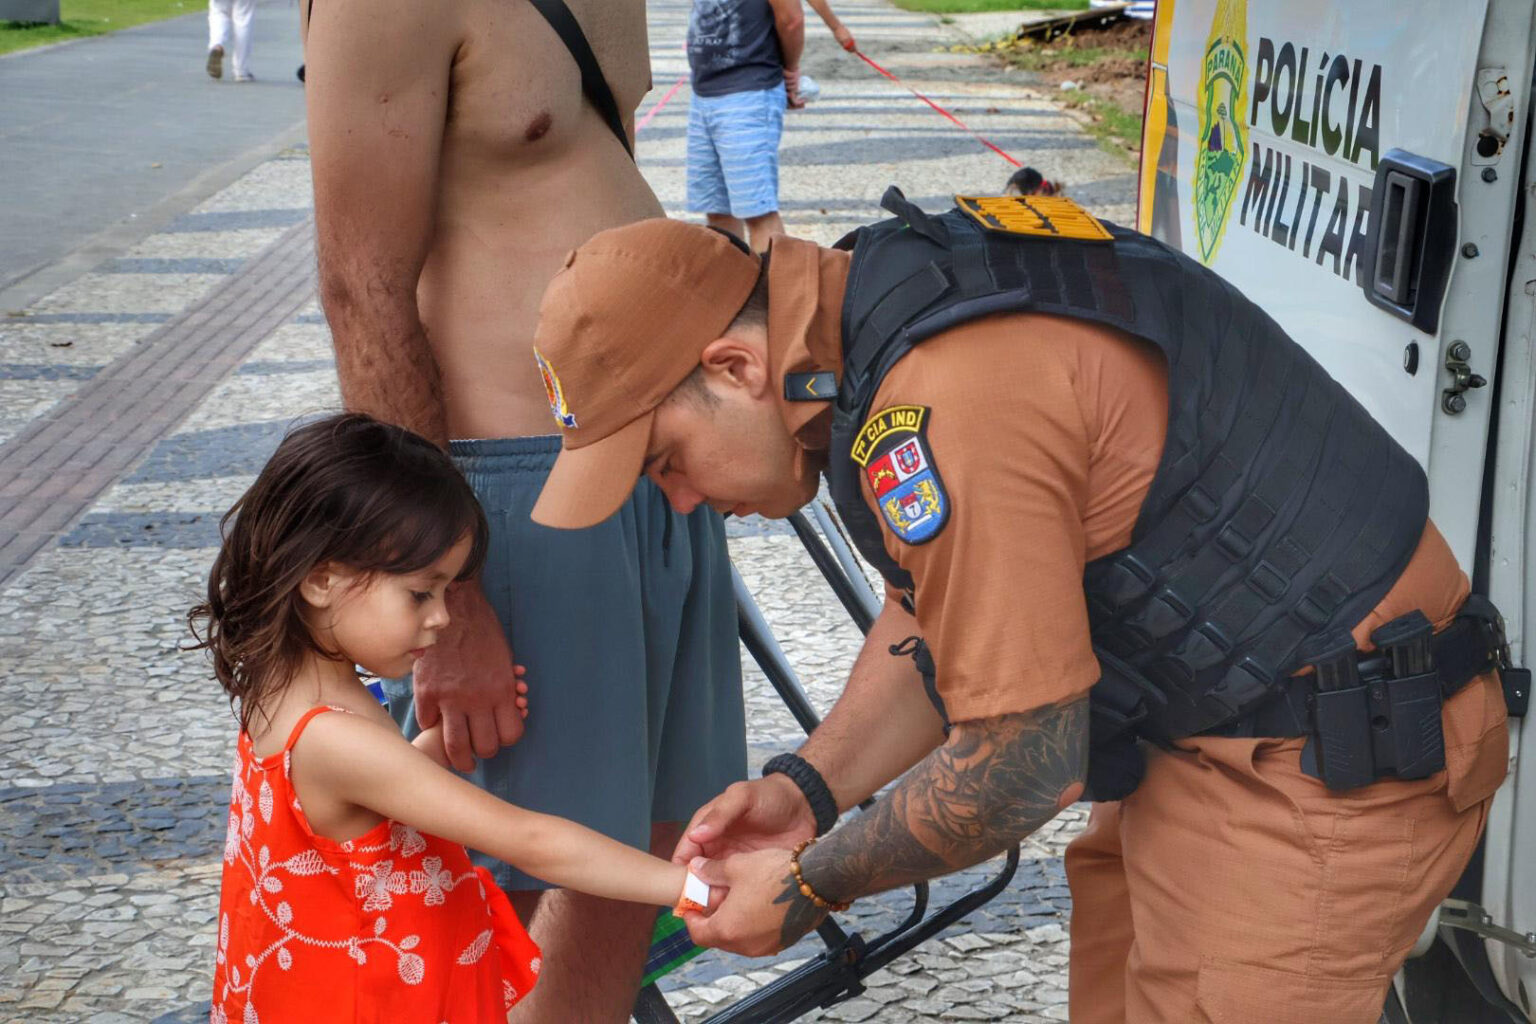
(1379,716)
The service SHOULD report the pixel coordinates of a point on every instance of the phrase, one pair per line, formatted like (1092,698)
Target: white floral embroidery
(433,880)
(232,839)
(412,968)
(306,862)
(476,949)
(378,887)
(405,839)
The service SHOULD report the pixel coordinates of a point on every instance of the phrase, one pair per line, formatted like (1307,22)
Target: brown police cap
(619,328)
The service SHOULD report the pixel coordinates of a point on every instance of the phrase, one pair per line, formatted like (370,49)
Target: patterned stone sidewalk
(113,770)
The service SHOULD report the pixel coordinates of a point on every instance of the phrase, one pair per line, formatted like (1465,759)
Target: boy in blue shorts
(744,63)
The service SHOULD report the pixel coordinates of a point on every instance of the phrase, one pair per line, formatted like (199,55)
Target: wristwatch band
(803,774)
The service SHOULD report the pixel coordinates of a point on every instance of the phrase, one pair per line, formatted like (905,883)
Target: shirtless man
(456,163)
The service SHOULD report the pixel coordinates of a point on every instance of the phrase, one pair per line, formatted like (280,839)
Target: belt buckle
(1492,628)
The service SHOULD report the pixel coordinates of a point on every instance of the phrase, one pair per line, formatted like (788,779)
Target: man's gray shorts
(628,631)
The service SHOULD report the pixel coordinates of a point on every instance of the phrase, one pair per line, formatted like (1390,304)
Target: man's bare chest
(515,90)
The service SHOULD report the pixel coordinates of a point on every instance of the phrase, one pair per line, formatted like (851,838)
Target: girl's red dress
(394,925)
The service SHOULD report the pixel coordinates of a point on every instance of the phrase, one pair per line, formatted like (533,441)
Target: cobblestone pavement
(113,767)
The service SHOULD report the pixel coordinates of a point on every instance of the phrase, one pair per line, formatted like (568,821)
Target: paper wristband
(695,895)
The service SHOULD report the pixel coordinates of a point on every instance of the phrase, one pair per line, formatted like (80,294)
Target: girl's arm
(430,742)
(370,765)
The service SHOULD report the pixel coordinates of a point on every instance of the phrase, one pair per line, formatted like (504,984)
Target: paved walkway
(104,139)
(197,347)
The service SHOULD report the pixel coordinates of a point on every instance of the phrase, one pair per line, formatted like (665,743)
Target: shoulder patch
(892,447)
(1034,216)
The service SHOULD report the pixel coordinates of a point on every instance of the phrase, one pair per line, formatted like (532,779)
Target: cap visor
(588,484)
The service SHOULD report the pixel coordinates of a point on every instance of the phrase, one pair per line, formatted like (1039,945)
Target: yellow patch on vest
(1036,216)
(896,419)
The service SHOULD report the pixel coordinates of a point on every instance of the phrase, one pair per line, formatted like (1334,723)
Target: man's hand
(467,681)
(844,37)
(763,911)
(767,813)
(792,88)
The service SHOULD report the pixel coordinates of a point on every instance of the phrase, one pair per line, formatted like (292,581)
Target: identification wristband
(817,794)
(695,897)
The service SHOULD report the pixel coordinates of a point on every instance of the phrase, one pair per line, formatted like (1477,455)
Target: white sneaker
(245,76)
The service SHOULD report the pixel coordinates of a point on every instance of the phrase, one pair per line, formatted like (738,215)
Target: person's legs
(1258,894)
(1101,920)
(694,652)
(218,35)
(594,615)
(747,129)
(725,222)
(761,230)
(241,15)
(706,183)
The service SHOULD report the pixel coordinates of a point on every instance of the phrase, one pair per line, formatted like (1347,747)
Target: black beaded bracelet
(804,774)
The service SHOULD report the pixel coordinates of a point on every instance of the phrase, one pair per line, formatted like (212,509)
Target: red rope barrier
(961,124)
(659,104)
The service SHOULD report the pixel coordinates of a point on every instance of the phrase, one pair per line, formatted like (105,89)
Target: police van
(1360,169)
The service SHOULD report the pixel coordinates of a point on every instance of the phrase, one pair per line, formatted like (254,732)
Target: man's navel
(539,127)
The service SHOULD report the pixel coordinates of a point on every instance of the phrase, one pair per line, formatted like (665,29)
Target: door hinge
(1473,918)
(1452,399)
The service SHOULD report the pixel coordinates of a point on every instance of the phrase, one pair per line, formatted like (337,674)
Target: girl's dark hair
(348,489)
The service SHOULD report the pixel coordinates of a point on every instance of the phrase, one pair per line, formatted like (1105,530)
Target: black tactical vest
(1280,513)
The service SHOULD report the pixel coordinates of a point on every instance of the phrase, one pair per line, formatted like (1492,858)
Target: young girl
(347,893)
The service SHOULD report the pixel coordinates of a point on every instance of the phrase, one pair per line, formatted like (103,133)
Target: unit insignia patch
(892,447)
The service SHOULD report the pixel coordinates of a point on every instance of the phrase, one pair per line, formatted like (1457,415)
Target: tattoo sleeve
(992,783)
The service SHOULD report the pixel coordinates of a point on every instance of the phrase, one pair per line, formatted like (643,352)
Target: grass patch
(1113,127)
(91,18)
(975,6)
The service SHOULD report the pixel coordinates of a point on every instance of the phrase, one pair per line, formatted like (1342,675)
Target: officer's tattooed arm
(991,784)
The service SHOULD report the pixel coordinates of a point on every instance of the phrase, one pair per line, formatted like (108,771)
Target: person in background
(744,65)
(457,159)
(228,18)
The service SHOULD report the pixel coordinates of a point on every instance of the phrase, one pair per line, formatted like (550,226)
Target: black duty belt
(1374,715)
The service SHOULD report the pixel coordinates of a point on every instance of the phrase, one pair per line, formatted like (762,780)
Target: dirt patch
(1106,68)
(1122,82)
(1110,63)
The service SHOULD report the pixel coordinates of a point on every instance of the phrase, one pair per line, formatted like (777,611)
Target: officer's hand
(763,910)
(467,681)
(767,813)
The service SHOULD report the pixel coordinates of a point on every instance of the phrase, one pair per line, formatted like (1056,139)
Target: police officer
(1134,537)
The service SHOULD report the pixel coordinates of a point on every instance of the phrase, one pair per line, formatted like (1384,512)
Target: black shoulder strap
(593,84)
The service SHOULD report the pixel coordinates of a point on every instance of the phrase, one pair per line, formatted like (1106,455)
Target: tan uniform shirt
(1046,433)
